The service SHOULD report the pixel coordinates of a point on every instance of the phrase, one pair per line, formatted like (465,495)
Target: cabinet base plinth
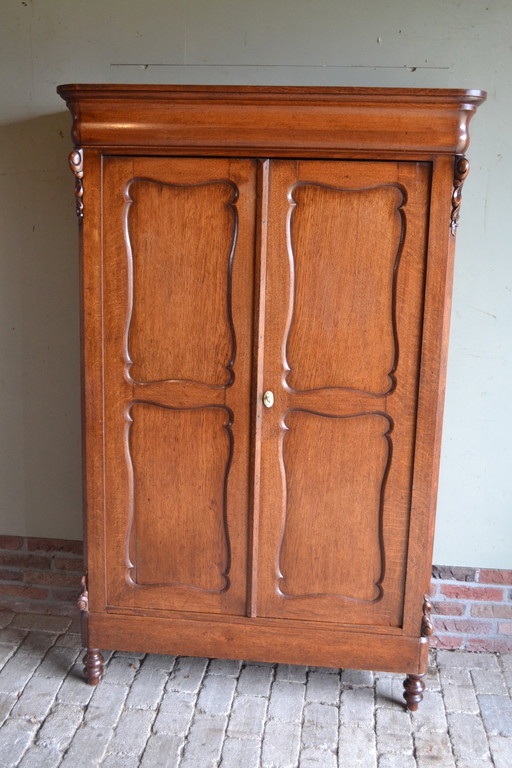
(266,640)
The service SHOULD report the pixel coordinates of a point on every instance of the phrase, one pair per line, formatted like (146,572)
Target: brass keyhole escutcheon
(268,399)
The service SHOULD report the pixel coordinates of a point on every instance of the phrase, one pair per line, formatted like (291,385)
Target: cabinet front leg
(93,666)
(413,694)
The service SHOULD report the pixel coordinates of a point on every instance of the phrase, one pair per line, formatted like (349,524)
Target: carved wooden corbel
(76,164)
(460,172)
(83,600)
(426,621)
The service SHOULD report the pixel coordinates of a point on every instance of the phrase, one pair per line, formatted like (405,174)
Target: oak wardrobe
(266,277)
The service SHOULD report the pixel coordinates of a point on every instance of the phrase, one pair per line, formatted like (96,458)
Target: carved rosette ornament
(83,600)
(461,170)
(426,622)
(76,163)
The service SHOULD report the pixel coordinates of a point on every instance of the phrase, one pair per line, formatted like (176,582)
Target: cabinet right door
(343,306)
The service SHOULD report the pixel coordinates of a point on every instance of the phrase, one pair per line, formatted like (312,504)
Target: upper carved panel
(180,242)
(344,250)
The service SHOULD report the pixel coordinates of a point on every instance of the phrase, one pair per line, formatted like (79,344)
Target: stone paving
(166,712)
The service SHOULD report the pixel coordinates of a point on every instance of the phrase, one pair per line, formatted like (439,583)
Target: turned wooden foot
(93,666)
(413,694)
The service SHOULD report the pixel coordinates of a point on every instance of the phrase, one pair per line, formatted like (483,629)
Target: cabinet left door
(177,277)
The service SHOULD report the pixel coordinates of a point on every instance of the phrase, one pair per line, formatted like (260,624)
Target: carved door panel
(178,254)
(343,304)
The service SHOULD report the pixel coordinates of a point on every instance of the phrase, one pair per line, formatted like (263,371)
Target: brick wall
(472,607)
(40,575)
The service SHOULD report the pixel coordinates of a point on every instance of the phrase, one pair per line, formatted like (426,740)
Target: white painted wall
(440,43)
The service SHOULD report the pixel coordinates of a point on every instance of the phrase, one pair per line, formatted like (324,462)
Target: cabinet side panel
(434,351)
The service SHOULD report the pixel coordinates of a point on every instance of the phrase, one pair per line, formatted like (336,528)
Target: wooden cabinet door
(178,254)
(345,271)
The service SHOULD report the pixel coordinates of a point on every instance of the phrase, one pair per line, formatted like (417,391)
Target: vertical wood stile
(257,380)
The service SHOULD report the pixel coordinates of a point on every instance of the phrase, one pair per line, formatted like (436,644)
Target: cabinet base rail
(271,641)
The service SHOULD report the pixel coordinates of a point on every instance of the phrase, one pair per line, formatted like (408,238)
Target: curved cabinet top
(271,121)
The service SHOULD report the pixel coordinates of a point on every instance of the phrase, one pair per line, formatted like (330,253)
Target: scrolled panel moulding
(230,205)
(389,322)
(131,548)
(281,571)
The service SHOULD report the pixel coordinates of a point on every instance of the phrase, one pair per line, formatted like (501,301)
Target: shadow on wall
(40,473)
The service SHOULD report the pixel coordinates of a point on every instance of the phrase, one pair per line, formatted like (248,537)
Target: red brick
(492,644)
(19,590)
(75,564)
(52,579)
(490,576)
(55,545)
(491,611)
(6,575)
(69,595)
(465,626)
(447,608)
(463,592)
(453,573)
(11,542)
(434,589)
(505,628)
(23,560)
(446,641)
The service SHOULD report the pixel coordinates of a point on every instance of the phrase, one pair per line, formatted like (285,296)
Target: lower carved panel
(179,462)
(334,473)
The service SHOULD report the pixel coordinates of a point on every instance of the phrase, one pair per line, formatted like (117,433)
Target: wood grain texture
(329,500)
(344,250)
(431,390)
(186,259)
(179,466)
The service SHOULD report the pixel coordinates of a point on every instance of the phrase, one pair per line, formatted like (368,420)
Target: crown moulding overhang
(273,121)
